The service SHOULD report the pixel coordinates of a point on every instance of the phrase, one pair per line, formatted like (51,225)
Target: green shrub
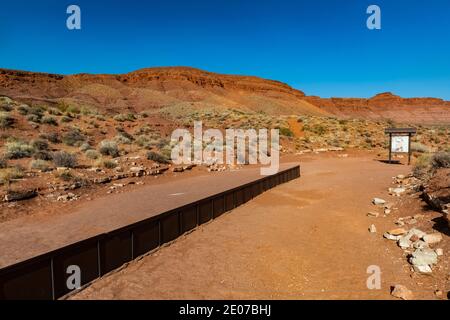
(6,175)
(441,160)
(49,120)
(39,144)
(42,155)
(18,150)
(92,154)
(34,118)
(3,163)
(40,165)
(419,147)
(109,148)
(85,147)
(109,164)
(66,119)
(286,132)
(73,137)
(157,157)
(6,120)
(64,159)
(52,137)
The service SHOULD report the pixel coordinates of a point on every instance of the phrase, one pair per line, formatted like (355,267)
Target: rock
(372,229)
(399,223)
(137,171)
(67,197)
(423,257)
(178,169)
(378,201)
(189,167)
(420,244)
(391,237)
(373,214)
(397,191)
(387,211)
(401,177)
(439,293)
(404,243)
(397,232)
(402,292)
(432,238)
(411,221)
(439,252)
(12,196)
(62,169)
(423,269)
(336,149)
(388,206)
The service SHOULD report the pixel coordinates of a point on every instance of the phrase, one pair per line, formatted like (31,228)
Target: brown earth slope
(188,88)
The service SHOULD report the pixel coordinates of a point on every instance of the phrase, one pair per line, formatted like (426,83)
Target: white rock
(439,252)
(372,229)
(423,269)
(433,238)
(378,201)
(391,237)
(423,257)
(420,244)
(402,292)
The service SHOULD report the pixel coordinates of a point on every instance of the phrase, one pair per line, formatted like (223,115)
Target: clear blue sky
(321,47)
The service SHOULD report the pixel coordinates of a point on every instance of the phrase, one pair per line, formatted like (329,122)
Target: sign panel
(400,144)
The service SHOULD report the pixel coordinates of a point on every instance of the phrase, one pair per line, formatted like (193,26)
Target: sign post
(400,141)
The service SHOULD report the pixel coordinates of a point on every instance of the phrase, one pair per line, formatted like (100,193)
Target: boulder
(378,201)
(432,238)
(372,229)
(19,195)
(423,257)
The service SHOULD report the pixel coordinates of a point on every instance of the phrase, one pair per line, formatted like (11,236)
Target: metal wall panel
(205,212)
(115,251)
(239,196)
(146,237)
(218,206)
(32,281)
(85,256)
(189,218)
(170,227)
(229,201)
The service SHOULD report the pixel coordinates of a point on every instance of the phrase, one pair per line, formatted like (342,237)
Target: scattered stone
(399,223)
(397,232)
(439,293)
(373,214)
(387,211)
(178,169)
(439,252)
(420,244)
(423,269)
(391,237)
(401,177)
(62,169)
(378,201)
(411,221)
(67,197)
(397,191)
(432,238)
(402,292)
(423,257)
(372,229)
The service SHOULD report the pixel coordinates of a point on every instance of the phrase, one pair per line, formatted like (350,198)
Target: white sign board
(400,144)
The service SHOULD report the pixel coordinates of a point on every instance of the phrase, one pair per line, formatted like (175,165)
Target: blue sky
(322,47)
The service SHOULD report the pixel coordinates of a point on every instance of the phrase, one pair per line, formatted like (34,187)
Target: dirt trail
(307,239)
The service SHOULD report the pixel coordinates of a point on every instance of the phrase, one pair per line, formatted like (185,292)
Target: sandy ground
(307,239)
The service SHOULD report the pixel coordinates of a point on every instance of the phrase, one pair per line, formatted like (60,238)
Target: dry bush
(109,148)
(64,159)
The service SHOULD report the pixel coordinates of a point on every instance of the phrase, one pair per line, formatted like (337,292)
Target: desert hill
(183,88)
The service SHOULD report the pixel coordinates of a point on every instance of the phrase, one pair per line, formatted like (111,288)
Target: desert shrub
(39,144)
(157,157)
(92,154)
(109,164)
(49,120)
(286,132)
(73,109)
(85,147)
(144,141)
(66,119)
(3,163)
(54,112)
(6,175)
(37,111)
(6,107)
(441,160)
(109,148)
(34,118)
(18,150)
(52,137)
(42,155)
(419,147)
(40,165)
(24,109)
(422,165)
(64,159)
(73,137)
(122,139)
(6,120)
(125,117)
(66,175)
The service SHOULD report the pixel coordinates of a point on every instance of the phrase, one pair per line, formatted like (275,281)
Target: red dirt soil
(307,239)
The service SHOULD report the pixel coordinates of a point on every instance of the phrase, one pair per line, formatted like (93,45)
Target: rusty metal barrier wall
(45,277)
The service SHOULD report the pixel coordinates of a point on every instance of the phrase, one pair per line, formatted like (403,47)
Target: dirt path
(307,239)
